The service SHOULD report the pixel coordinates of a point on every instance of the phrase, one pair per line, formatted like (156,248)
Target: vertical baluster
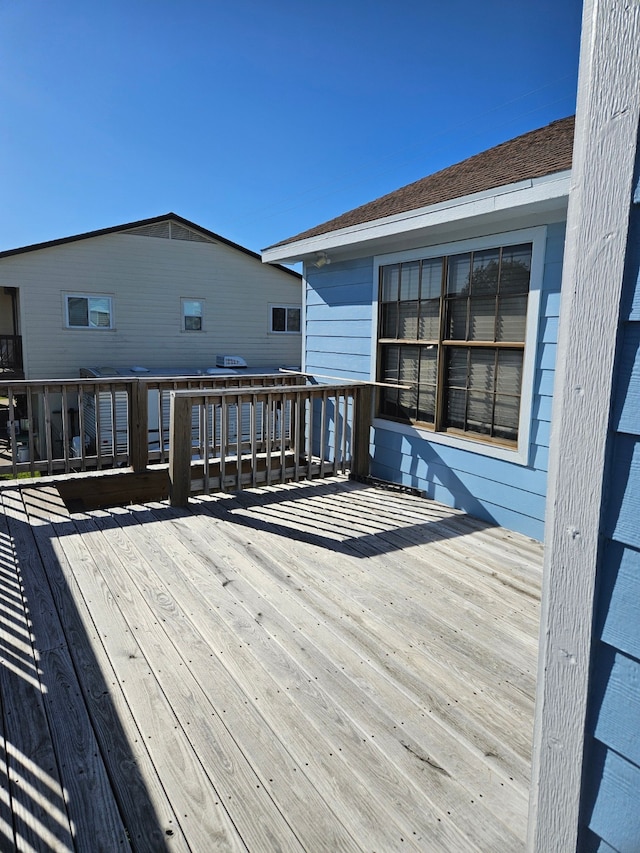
(224,428)
(205,409)
(324,438)
(239,405)
(30,432)
(253,439)
(269,430)
(65,429)
(81,428)
(48,434)
(346,397)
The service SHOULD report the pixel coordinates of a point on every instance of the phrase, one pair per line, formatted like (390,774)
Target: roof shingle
(532,155)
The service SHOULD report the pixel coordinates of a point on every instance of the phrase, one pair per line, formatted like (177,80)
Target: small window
(285,319)
(89,312)
(192,312)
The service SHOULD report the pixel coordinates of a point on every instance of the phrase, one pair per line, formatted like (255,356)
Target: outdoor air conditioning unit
(230,361)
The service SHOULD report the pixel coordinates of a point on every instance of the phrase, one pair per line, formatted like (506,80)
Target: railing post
(361,428)
(179,449)
(138,426)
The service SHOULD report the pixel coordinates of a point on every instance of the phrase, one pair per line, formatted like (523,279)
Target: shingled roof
(532,155)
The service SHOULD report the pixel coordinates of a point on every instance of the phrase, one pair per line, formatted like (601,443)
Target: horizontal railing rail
(66,426)
(264,435)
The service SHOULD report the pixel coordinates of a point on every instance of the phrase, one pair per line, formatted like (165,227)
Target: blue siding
(338,319)
(339,336)
(611,797)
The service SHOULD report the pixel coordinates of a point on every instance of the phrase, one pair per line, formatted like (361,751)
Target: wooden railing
(75,425)
(263,435)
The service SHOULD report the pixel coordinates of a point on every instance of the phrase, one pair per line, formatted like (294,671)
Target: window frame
(67,295)
(183,315)
(519,451)
(287,307)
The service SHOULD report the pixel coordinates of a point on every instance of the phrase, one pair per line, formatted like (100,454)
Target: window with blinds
(452,334)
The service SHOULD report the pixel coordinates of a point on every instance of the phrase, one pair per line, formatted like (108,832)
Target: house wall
(147,276)
(611,812)
(339,330)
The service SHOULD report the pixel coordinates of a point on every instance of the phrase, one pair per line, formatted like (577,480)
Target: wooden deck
(312,667)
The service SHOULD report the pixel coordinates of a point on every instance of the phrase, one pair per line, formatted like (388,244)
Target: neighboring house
(450,287)
(161,292)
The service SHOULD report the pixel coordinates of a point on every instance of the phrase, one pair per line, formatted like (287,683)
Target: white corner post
(600,198)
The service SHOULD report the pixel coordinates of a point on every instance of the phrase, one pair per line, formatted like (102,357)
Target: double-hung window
(88,312)
(451,336)
(192,315)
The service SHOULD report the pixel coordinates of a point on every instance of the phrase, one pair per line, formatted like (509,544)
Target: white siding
(147,276)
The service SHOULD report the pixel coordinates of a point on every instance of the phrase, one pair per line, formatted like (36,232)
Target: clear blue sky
(259,118)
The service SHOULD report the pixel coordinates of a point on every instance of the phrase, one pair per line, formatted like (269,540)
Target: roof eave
(528,194)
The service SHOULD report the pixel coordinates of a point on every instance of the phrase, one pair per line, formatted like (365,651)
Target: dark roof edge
(101,232)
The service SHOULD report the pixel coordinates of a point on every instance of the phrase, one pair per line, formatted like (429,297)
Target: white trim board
(536,192)
(597,226)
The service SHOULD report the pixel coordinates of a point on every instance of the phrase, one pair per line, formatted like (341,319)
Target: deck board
(312,667)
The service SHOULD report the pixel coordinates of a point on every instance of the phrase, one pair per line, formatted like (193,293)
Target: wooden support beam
(138,425)
(179,449)
(360,457)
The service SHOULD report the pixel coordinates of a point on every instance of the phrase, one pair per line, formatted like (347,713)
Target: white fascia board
(522,194)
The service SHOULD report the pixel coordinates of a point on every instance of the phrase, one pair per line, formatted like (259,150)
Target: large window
(452,333)
(88,312)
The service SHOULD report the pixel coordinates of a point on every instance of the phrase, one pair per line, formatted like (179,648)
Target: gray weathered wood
(179,449)
(601,189)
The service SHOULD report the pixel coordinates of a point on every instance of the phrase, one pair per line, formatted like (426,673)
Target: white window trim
(286,306)
(537,237)
(184,299)
(67,294)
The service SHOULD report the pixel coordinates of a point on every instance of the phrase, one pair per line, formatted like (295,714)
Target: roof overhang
(534,197)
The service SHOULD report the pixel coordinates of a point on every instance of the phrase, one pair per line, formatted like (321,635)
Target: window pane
(485,272)
(509,379)
(506,415)
(515,269)
(429,324)
(482,318)
(408,321)
(457,368)
(479,412)
(279,319)
(459,272)
(293,319)
(431,278)
(482,370)
(78,307)
(457,319)
(410,281)
(456,407)
(427,386)
(192,308)
(390,282)
(193,324)
(390,320)
(390,364)
(512,318)
(408,398)
(99,311)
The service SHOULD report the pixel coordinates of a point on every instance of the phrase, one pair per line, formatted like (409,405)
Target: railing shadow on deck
(270,511)
(49,677)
